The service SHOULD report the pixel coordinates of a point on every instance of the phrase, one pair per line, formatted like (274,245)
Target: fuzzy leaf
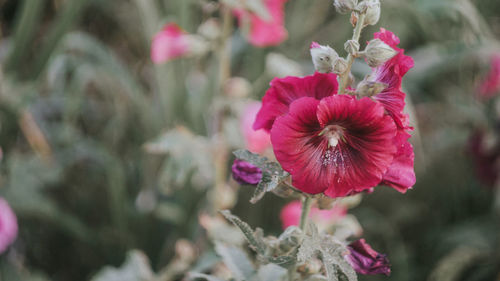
(135,268)
(236,260)
(256,244)
(270,272)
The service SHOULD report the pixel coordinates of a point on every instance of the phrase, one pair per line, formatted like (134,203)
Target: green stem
(350,58)
(306,207)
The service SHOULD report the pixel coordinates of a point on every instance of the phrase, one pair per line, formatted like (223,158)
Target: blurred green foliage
(79,99)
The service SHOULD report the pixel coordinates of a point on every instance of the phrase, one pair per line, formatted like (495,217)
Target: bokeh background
(82,107)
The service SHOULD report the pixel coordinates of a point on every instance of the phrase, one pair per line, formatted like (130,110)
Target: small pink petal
(256,141)
(170,43)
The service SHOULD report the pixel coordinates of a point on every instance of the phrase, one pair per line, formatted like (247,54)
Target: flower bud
(352,47)
(377,53)
(344,6)
(365,260)
(370,88)
(323,57)
(371,9)
(340,66)
(246,173)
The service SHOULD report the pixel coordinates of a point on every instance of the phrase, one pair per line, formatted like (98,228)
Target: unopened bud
(237,87)
(370,88)
(352,47)
(377,52)
(323,57)
(371,9)
(339,66)
(344,6)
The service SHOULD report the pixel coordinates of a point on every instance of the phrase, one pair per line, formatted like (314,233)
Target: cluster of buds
(370,8)
(326,59)
(376,53)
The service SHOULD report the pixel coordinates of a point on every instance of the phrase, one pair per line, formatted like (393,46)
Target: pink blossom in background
(265,32)
(290,214)
(256,141)
(170,43)
(8,226)
(486,157)
(491,85)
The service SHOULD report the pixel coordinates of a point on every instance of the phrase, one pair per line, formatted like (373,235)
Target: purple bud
(365,260)
(246,173)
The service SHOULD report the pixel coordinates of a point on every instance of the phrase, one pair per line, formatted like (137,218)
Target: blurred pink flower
(290,215)
(8,225)
(265,32)
(170,43)
(491,85)
(256,141)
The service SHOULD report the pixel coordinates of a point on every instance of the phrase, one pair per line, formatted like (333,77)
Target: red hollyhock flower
(265,32)
(284,91)
(337,146)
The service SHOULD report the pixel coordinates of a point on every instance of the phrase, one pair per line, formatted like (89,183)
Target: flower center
(333,133)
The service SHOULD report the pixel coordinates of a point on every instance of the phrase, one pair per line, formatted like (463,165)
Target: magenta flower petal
(284,91)
(256,141)
(491,85)
(266,32)
(391,73)
(170,43)
(246,173)
(401,174)
(8,226)
(338,146)
(365,260)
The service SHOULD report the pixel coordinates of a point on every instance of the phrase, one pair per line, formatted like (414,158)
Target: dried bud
(371,9)
(237,87)
(210,29)
(370,88)
(345,6)
(290,238)
(323,57)
(352,47)
(339,66)
(377,52)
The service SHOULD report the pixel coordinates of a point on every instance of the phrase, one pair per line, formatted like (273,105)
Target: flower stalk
(306,208)
(344,77)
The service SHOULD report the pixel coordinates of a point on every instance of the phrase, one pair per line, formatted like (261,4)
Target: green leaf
(135,268)
(257,243)
(270,272)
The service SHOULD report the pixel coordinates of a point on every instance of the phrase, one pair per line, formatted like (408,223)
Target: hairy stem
(221,153)
(344,78)
(306,207)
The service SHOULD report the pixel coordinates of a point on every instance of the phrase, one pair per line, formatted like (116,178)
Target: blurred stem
(344,78)
(306,207)
(221,153)
(70,15)
(27,23)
